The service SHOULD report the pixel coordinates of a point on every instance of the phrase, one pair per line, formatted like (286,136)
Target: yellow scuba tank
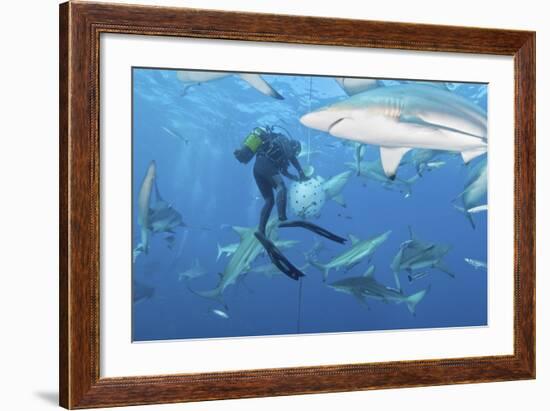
(254,140)
(251,144)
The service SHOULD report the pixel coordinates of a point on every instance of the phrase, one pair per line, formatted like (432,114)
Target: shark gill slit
(335,124)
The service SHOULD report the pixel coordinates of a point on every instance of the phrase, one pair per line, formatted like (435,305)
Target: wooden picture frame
(80,27)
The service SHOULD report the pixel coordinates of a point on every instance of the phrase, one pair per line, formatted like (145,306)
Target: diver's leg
(281,197)
(265,213)
(266,189)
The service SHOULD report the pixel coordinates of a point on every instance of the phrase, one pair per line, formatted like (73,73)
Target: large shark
(333,187)
(373,171)
(191,78)
(414,255)
(359,250)
(367,286)
(153,217)
(399,118)
(241,261)
(474,197)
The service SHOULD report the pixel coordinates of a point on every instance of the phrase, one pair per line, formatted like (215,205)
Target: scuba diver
(274,154)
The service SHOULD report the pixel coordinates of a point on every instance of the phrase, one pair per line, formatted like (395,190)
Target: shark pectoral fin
(391,157)
(413,300)
(354,240)
(441,267)
(361,298)
(397,282)
(469,155)
(370,272)
(321,267)
(242,231)
(339,199)
(256,81)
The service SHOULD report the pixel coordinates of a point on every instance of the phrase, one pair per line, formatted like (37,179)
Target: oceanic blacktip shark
(367,287)
(191,78)
(373,171)
(474,197)
(157,217)
(359,250)
(229,249)
(333,187)
(241,261)
(415,255)
(195,271)
(399,118)
(176,135)
(425,160)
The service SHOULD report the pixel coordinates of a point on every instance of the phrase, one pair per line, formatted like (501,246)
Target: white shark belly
(389,132)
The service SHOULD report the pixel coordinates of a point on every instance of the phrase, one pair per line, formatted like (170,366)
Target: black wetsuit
(272,161)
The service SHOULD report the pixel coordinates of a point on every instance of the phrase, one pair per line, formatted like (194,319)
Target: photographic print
(282,204)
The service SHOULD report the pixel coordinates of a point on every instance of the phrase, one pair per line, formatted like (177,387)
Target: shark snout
(323,119)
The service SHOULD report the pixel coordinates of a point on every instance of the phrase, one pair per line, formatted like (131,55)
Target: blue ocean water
(191,135)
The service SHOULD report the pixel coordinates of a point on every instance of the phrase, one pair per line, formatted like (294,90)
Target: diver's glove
(302,177)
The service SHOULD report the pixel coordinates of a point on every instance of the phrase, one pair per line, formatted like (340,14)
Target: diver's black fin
(315,228)
(277,258)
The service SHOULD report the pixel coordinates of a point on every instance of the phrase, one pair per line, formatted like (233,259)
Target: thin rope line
(309,129)
(298,321)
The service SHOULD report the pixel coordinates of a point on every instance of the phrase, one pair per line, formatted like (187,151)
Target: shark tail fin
(213,294)
(414,299)
(466,214)
(256,81)
(321,267)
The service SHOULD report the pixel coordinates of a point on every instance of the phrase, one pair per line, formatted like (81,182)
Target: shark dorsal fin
(242,231)
(157,193)
(370,272)
(354,240)
(411,234)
